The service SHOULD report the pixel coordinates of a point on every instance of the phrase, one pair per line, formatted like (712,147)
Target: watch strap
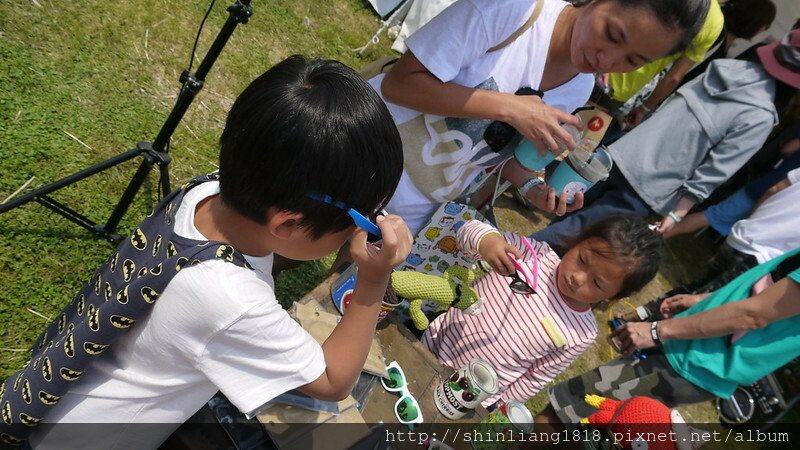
(528,185)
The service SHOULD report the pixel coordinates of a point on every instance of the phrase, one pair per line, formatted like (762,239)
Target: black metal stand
(153,154)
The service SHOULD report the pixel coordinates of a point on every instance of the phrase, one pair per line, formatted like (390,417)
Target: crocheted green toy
(417,287)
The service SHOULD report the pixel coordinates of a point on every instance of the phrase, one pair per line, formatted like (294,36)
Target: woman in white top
(453,82)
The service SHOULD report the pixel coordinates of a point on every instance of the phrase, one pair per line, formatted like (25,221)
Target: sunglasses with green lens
(407,408)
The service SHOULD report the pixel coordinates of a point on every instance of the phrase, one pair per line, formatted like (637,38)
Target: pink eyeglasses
(523,284)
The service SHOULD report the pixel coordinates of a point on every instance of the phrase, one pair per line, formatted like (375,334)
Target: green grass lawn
(107,75)
(83,81)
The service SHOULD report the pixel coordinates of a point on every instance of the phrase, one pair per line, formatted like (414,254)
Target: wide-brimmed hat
(782,59)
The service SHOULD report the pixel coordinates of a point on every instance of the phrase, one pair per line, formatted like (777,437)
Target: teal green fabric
(719,367)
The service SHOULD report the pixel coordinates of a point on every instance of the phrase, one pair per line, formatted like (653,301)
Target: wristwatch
(654,333)
(528,185)
(675,217)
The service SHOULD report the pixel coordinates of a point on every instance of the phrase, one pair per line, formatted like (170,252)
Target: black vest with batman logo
(119,294)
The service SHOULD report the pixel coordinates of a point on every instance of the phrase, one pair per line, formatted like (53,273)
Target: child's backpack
(119,294)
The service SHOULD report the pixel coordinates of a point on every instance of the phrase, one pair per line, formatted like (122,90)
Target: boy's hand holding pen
(376,262)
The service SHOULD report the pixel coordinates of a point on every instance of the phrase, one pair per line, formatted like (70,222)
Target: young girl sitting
(536,316)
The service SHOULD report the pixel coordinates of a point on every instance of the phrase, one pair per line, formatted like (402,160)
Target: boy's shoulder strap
(529,23)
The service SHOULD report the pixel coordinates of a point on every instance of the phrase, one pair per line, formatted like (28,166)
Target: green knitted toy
(417,287)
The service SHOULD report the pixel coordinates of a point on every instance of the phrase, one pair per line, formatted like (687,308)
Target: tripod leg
(110,227)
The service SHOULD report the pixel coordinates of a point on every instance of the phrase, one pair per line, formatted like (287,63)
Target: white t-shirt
(443,155)
(216,326)
(772,229)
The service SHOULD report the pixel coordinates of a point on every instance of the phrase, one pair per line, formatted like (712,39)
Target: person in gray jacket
(697,140)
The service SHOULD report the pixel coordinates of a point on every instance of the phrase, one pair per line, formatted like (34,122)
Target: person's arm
(779,186)
(685,204)
(689,224)
(411,84)
(779,301)
(790,147)
(663,89)
(724,158)
(347,347)
(541,196)
(470,236)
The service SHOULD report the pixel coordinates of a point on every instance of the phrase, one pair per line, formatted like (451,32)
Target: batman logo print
(81,304)
(11,440)
(128,267)
(121,321)
(69,374)
(149,295)
(113,265)
(156,245)
(225,252)
(62,322)
(69,346)
(168,214)
(109,292)
(94,349)
(29,420)
(122,296)
(156,270)
(47,369)
(17,382)
(26,392)
(142,272)
(48,399)
(181,263)
(36,364)
(2,389)
(97,283)
(43,339)
(94,320)
(171,250)
(7,413)
(139,240)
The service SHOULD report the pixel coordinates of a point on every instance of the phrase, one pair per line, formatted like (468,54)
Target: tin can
(497,430)
(466,389)
(342,291)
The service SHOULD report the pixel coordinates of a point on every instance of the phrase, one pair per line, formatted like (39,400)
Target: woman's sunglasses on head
(407,408)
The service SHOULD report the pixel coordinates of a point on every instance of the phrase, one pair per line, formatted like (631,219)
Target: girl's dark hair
(745,18)
(309,127)
(685,16)
(632,244)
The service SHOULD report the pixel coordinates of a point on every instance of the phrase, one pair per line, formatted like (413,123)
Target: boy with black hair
(216,324)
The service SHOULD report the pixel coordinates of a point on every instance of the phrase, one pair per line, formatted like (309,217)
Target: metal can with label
(466,389)
(497,430)
(342,291)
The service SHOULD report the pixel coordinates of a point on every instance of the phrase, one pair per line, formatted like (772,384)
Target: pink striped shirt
(508,333)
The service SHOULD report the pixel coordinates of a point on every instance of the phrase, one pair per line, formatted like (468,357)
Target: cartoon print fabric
(434,248)
(121,292)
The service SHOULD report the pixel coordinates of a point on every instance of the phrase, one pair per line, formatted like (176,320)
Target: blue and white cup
(581,169)
(528,155)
